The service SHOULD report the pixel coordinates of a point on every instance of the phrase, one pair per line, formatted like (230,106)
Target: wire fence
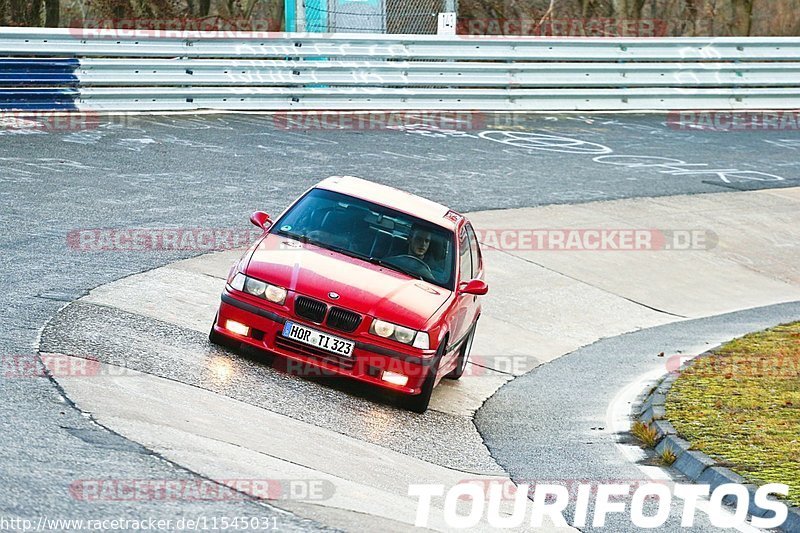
(373,16)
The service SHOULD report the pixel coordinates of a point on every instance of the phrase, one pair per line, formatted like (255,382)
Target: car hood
(363,287)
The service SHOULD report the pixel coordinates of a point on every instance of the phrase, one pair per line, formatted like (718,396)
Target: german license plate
(319,339)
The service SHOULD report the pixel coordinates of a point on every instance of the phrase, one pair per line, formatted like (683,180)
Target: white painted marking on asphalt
(618,421)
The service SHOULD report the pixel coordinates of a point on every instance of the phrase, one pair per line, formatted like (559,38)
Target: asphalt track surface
(586,449)
(212,171)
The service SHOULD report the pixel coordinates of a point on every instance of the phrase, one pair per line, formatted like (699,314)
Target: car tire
(418,403)
(220,339)
(463,355)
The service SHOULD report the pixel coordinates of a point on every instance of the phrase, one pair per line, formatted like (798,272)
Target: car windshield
(373,233)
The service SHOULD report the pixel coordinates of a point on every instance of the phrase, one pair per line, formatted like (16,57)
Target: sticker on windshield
(286,227)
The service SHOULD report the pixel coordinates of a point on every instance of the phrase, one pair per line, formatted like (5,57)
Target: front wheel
(418,403)
(463,356)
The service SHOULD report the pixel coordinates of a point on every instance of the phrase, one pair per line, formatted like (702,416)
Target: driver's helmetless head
(419,243)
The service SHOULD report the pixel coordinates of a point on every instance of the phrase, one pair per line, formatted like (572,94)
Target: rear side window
(475,252)
(465,257)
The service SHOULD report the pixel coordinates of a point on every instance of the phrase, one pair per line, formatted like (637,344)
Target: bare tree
(628,8)
(742,17)
(52,13)
(24,12)
(680,17)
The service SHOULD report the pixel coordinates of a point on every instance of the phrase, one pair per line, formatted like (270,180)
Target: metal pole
(289,8)
(300,23)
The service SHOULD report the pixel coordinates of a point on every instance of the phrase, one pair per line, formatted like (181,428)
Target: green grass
(741,406)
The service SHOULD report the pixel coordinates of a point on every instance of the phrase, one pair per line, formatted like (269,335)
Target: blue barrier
(38,99)
(17,76)
(39,64)
(38,72)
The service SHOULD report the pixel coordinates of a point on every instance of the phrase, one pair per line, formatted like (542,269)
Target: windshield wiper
(392,266)
(369,259)
(376,261)
(295,236)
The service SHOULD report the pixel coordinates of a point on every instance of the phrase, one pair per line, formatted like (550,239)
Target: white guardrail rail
(132,70)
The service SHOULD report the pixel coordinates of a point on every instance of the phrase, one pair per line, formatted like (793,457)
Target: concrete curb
(697,466)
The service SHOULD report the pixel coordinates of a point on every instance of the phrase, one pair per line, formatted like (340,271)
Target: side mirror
(478,287)
(261,219)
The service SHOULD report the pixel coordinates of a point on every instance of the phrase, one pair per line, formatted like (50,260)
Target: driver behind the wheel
(418,243)
(421,247)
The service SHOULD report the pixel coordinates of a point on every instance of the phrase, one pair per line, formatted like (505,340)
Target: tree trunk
(205,8)
(52,13)
(742,17)
(277,22)
(631,9)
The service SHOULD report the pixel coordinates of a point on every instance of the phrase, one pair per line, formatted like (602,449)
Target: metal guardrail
(128,70)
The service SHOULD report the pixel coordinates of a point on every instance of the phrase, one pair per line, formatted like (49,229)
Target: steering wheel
(412,263)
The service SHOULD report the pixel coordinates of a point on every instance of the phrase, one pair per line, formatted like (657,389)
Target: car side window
(475,252)
(465,257)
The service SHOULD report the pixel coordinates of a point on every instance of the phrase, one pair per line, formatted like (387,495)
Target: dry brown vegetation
(666,17)
(266,15)
(529,17)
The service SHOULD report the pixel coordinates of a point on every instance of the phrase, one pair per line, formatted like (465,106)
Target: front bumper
(367,363)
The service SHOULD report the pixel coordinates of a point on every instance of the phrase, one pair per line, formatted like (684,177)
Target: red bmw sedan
(361,280)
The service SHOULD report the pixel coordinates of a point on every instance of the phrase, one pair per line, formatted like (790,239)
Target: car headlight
(258,288)
(254,287)
(382,329)
(387,330)
(275,294)
(404,335)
